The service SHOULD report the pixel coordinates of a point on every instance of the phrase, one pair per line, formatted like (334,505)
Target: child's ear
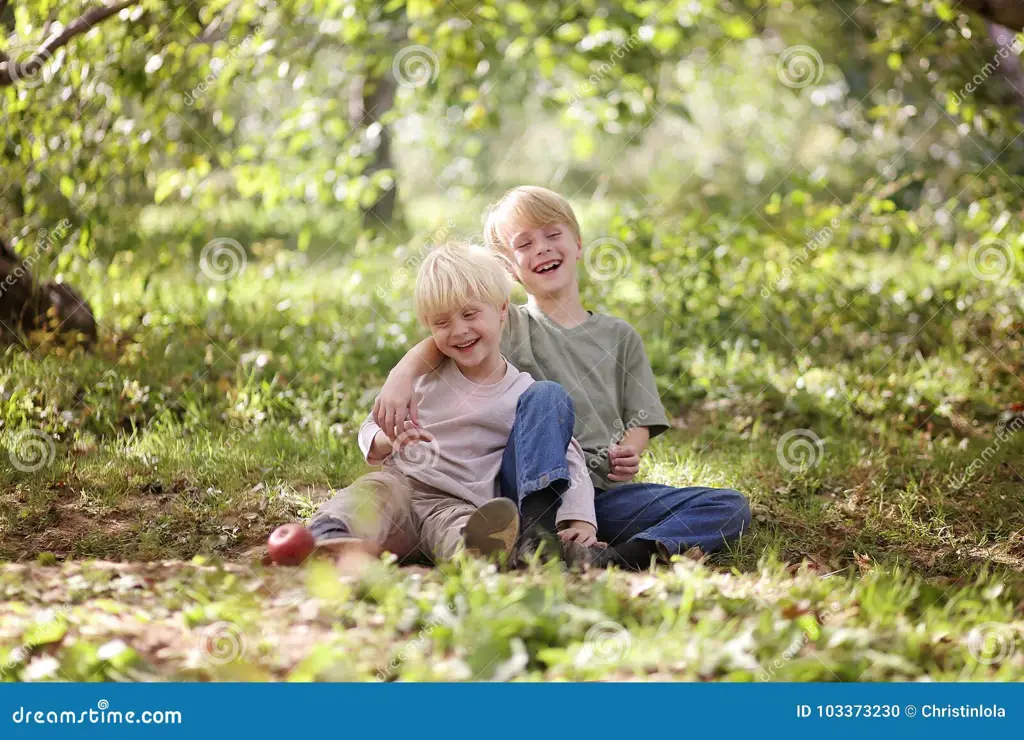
(510,266)
(579,248)
(504,311)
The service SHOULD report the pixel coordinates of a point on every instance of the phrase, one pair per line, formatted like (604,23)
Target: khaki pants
(401,515)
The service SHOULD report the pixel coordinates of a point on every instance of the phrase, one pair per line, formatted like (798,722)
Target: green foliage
(376,623)
(219,100)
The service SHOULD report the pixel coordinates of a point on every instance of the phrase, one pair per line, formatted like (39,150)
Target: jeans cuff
(325,526)
(529,486)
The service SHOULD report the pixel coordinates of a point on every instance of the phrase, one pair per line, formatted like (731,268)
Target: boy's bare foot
(583,557)
(341,546)
(492,529)
(535,541)
(632,555)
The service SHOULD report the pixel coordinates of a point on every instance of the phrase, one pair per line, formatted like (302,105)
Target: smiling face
(545,258)
(462,297)
(470,335)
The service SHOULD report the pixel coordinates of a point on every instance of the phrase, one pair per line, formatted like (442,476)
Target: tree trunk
(15,195)
(372,99)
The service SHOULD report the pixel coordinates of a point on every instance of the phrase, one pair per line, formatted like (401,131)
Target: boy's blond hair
(527,206)
(454,274)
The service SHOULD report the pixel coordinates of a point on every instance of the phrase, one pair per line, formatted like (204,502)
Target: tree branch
(11,70)
(1009,13)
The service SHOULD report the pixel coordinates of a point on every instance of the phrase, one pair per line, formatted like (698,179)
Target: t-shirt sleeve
(641,403)
(367,432)
(578,499)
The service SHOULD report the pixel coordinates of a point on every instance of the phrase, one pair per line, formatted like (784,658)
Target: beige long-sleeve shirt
(471,424)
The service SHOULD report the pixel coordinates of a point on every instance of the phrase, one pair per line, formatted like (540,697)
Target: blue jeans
(675,518)
(535,454)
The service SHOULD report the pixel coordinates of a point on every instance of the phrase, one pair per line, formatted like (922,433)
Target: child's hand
(583,532)
(411,434)
(394,403)
(623,463)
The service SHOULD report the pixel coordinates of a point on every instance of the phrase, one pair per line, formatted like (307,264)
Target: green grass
(212,411)
(212,621)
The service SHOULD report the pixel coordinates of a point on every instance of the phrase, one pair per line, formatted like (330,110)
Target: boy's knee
(738,509)
(547,394)
(332,508)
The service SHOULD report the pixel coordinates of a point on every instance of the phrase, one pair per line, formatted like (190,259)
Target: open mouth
(547,267)
(465,347)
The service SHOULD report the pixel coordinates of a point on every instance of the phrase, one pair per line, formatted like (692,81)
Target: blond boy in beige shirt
(438,490)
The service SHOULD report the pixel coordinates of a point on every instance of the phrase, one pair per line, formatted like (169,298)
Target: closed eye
(524,245)
(553,235)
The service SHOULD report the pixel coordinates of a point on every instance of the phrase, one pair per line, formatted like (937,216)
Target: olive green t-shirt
(602,365)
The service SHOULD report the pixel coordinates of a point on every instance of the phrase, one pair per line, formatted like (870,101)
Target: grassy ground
(870,408)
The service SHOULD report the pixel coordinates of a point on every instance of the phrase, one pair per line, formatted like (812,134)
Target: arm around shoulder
(419,360)
(396,400)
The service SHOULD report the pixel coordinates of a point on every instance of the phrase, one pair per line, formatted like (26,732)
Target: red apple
(290,544)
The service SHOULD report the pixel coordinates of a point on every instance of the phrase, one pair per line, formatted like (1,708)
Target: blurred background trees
(723,145)
(341,106)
